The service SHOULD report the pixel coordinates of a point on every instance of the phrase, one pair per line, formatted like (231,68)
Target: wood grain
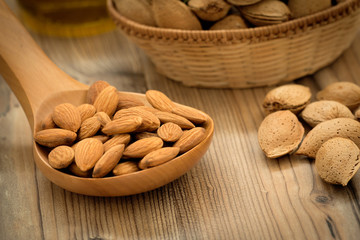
(235,192)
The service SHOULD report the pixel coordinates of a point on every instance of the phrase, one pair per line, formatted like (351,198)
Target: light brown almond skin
(190,113)
(117,140)
(338,127)
(87,153)
(300,8)
(169,132)
(55,137)
(149,121)
(103,118)
(125,168)
(74,169)
(337,160)
(128,101)
(108,161)
(293,97)
(140,148)
(125,124)
(86,111)
(159,100)
(280,133)
(347,93)
(102,138)
(95,89)
(232,21)
(320,111)
(107,100)
(158,157)
(89,128)
(166,117)
(61,157)
(67,116)
(143,135)
(190,139)
(47,122)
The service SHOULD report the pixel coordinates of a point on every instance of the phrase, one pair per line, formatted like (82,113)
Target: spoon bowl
(40,85)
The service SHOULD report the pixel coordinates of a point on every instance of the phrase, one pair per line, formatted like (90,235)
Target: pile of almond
(334,139)
(116,133)
(217,14)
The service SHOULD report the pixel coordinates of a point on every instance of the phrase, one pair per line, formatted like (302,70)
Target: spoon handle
(31,75)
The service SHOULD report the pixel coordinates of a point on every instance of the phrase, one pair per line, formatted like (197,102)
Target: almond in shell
(67,116)
(338,127)
(124,124)
(158,157)
(190,139)
(107,100)
(108,161)
(337,160)
(280,133)
(141,147)
(87,153)
(125,168)
(55,137)
(61,157)
(169,132)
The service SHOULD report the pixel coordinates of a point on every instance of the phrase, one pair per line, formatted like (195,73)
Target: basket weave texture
(245,58)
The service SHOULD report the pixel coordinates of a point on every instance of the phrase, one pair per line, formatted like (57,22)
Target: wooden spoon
(40,85)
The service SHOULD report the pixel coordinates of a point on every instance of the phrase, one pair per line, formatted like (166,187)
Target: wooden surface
(235,192)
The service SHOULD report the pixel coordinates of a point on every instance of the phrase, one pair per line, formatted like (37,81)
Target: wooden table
(235,192)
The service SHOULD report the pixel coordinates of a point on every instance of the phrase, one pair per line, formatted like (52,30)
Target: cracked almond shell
(280,133)
(293,97)
(338,127)
(320,111)
(337,160)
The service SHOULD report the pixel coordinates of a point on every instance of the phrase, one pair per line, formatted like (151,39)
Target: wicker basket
(246,58)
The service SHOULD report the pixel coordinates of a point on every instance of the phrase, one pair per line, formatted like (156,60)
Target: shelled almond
(116,133)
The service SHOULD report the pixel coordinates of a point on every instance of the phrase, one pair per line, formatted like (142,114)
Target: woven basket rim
(321,18)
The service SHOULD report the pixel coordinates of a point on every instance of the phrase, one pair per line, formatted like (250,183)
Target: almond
(338,127)
(61,157)
(102,138)
(107,100)
(190,139)
(158,157)
(169,132)
(142,135)
(103,118)
(125,168)
(66,116)
(117,140)
(141,147)
(166,117)
(108,161)
(89,128)
(159,100)
(337,160)
(149,121)
(95,89)
(280,133)
(293,97)
(190,113)
(55,137)
(47,122)
(74,169)
(88,152)
(86,111)
(124,124)
(128,101)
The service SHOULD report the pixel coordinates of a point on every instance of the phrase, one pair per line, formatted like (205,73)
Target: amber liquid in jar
(66,18)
